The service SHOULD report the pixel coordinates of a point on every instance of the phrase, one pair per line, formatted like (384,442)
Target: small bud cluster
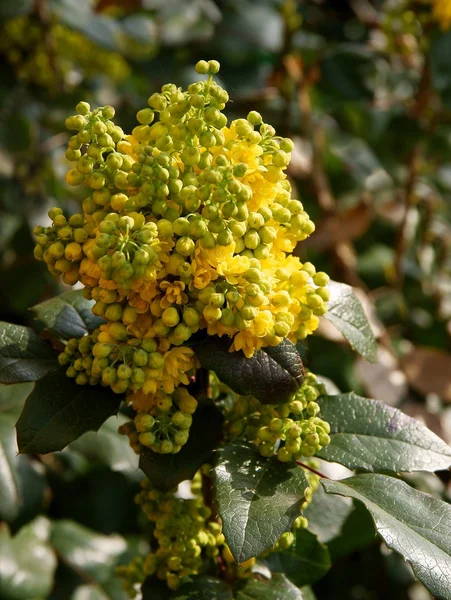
(184,533)
(164,427)
(292,431)
(25,44)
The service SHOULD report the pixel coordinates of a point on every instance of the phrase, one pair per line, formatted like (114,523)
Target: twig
(304,466)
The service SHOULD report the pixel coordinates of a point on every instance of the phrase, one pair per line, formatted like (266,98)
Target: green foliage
(278,587)
(24,356)
(258,499)
(58,411)
(346,313)
(413,523)
(371,436)
(67,315)
(272,375)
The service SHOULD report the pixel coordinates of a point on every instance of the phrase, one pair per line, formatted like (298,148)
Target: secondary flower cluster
(48,57)
(188,225)
(186,534)
(292,431)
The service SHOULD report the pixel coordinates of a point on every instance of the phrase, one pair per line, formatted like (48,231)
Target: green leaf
(8,10)
(369,435)
(24,356)
(412,523)
(87,551)
(165,471)
(346,313)
(327,515)
(18,476)
(306,561)
(204,588)
(27,562)
(258,498)
(59,411)
(357,532)
(272,375)
(276,588)
(68,315)
(107,447)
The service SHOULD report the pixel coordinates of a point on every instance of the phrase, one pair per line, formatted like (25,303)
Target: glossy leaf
(68,315)
(412,523)
(272,375)
(258,498)
(346,313)
(59,411)
(306,561)
(24,356)
(327,515)
(204,588)
(369,435)
(27,562)
(276,588)
(165,471)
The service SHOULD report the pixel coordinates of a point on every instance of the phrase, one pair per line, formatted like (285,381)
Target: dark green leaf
(276,588)
(346,313)
(357,532)
(27,562)
(258,498)
(87,551)
(367,434)
(272,375)
(412,523)
(306,561)
(327,514)
(23,355)
(59,411)
(165,471)
(204,588)
(68,315)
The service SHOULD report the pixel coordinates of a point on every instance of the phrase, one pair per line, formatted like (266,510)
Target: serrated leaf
(306,561)
(412,523)
(58,411)
(276,588)
(68,315)
(272,375)
(165,471)
(346,313)
(258,498)
(369,435)
(85,550)
(27,562)
(24,356)
(327,514)
(204,588)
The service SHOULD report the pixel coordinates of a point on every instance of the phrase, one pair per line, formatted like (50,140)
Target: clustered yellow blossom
(441,12)
(188,225)
(56,55)
(186,534)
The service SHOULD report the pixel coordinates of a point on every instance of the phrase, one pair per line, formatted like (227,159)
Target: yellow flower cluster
(441,12)
(52,57)
(189,225)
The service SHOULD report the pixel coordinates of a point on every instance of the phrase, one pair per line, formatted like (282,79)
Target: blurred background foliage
(364,89)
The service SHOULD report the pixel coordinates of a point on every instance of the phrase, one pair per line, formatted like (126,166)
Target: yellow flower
(201,276)
(233,266)
(212,257)
(441,11)
(174,293)
(247,342)
(141,402)
(177,362)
